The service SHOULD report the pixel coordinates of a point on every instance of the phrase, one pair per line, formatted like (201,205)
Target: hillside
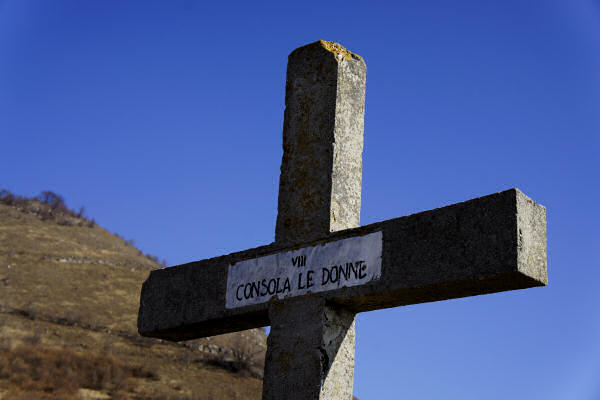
(69,293)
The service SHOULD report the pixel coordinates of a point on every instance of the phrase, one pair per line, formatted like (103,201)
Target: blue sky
(164,120)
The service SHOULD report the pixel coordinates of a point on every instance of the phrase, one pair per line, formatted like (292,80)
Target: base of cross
(310,350)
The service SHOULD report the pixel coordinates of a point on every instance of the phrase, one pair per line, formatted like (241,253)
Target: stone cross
(323,268)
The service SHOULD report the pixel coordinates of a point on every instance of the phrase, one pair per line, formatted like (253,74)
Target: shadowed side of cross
(323,268)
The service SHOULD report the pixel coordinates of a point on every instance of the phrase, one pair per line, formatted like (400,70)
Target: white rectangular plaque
(347,262)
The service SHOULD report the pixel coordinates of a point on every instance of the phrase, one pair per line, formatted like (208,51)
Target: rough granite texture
(310,351)
(321,169)
(485,245)
(312,357)
(531,231)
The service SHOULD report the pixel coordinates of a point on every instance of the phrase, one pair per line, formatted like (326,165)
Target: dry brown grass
(74,290)
(35,372)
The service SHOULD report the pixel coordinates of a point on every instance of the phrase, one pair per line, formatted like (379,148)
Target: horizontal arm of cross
(485,245)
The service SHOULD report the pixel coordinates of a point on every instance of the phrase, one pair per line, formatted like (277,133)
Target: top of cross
(339,50)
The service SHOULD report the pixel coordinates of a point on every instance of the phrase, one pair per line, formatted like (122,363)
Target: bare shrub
(70,319)
(6,197)
(155,259)
(30,311)
(54,200)
(144,373)
(47,205)
(245,358)
(64,222)
(5,340)
(35,338)
(58,374)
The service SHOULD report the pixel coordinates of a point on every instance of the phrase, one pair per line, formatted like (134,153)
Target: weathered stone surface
(485,245)
(319,193)
(321,169)
(310,351)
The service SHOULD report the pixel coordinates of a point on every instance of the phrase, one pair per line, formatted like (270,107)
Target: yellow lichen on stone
(338,49)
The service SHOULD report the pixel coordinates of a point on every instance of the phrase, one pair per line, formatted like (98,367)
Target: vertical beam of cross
(310,353)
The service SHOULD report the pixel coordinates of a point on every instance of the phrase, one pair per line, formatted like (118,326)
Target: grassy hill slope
(69,293)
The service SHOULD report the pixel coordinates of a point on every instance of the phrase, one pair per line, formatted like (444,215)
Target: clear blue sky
(164,120)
